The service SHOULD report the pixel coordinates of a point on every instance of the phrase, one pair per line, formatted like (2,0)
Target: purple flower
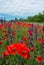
(31,43)
(8,29)
(11,38)
(42,39)
(32,27)
(43,28)
(36,33)
(21,41)
(31,34)
(42,45)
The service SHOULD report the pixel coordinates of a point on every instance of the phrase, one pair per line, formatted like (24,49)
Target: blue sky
(10,9)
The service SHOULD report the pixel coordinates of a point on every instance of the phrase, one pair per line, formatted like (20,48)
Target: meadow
(21,43)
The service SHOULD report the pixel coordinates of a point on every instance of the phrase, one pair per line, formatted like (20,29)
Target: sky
(9,9)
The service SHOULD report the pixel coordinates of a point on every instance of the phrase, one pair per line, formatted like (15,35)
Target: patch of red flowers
(40,40)
(4,54)
(6,34)
(19,23)
(21,49)
(24,38)
(30,32)
(0,43)
(13,33)
(28,25)
(4,39)
(1,26)
(39,59)
(3,31)
(22,24)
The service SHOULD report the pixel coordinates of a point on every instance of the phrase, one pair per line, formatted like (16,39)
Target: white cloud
(21,7)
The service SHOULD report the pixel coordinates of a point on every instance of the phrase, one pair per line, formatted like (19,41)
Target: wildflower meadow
(21,43)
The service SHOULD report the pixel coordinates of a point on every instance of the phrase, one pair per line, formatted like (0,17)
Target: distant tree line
(37,18)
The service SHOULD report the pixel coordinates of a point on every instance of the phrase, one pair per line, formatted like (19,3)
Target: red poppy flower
(22,24)
(8,48)
(39,40)
(6,34)
(23,50)
(11,49)
(0,43)
(24,54)
(3,31)
(19,23)
(13,33)
(0,26)
(3,38)
(13,46)
(4,54)
(28,25)
(27,56)
(39,59)
(23,47)
(29,32)
(24,38)
(13,52)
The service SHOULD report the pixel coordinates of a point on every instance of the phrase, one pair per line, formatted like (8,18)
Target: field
(21,43)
